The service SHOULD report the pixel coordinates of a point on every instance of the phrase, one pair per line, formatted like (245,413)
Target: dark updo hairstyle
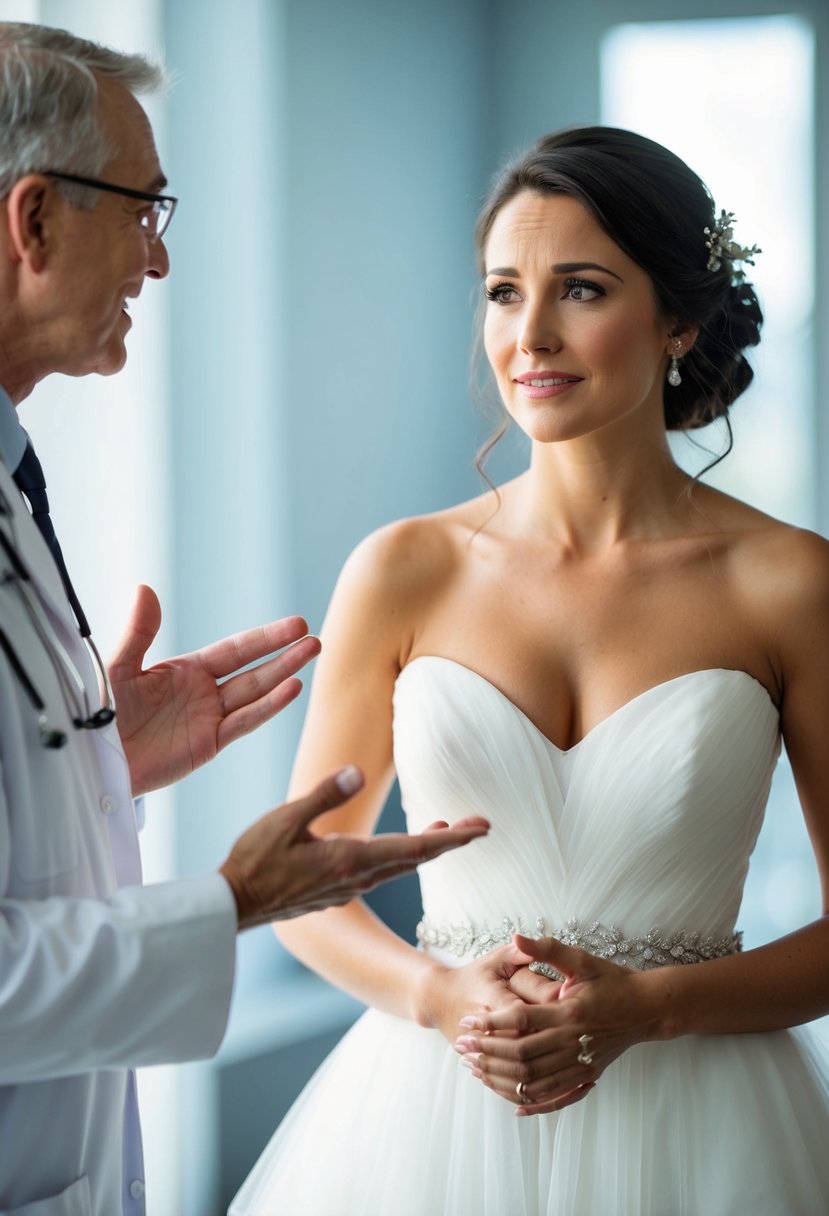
(656,209)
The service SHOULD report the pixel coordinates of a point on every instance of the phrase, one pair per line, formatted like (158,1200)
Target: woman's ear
(30,209)
(684,335)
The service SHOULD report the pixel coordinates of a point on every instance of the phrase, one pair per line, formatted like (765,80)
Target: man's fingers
(250,687)
(366,863)
(139,634)
(247,719)
(279,869)
(354,865)
(224,657)
(440,824)
(398,850)
(469,828)
(330,793)
(251,699)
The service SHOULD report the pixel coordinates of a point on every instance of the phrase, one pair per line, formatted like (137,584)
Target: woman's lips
(536,385)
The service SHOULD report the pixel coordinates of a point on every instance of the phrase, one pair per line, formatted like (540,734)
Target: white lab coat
(98,974)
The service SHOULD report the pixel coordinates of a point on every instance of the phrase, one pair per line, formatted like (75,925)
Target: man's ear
(30,208)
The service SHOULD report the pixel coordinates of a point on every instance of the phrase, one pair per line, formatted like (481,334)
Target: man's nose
(158,262)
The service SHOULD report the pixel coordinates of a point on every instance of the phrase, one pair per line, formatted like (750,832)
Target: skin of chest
(569,639)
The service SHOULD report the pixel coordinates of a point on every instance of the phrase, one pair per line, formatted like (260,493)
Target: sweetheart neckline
(568,751)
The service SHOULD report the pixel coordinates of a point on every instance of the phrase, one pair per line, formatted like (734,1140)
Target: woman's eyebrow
(509,272)
(572,267)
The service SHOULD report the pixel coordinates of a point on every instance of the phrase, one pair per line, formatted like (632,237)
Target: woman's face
(572,329)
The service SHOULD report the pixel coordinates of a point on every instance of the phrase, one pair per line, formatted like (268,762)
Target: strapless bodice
(648,821)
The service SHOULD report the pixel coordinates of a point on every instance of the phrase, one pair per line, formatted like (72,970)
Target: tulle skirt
(392,1125)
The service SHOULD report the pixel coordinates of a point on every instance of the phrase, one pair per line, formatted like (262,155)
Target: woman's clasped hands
(546,1045)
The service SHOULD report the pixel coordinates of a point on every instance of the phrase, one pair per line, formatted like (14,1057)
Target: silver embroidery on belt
(655,949)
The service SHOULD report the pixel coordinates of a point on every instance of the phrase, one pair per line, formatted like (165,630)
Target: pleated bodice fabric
(647,823)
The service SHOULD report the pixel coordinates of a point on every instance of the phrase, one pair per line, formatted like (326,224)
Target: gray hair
(48,103)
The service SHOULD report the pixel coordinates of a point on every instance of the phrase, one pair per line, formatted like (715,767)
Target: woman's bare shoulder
(396,579)
(413,556)
(794,560)
(783,575)
(779,569)
(754,535)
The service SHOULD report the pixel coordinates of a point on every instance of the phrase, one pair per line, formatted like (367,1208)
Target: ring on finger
(523,1098)
(585,1056)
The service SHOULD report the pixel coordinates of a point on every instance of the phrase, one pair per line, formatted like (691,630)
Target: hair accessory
(674,378)
(723,248)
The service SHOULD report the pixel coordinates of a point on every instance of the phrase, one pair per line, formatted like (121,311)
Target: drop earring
(674,378)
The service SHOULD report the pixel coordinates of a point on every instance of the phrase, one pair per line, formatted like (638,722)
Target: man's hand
(175,716)
(279,869)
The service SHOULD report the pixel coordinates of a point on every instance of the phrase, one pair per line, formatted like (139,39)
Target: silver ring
(522,1097)
(584,1056)
(547,970)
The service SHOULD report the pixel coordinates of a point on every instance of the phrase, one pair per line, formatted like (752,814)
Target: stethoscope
(16,575)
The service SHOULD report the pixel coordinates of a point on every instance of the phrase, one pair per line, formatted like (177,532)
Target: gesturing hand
(176,715)
(279,869)
(538,1044)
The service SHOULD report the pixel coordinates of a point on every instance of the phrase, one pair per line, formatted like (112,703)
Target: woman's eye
(582,291)
(502,293)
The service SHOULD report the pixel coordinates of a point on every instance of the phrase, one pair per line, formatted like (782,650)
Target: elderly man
(98,973)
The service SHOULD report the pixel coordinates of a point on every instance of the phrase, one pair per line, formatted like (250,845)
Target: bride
(602,658)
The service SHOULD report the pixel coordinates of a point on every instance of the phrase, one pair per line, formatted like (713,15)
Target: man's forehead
(127,124)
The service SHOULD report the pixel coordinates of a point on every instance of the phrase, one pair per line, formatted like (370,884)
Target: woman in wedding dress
(601,658)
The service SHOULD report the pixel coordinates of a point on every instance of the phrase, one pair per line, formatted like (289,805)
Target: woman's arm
(785,982)
(390,582)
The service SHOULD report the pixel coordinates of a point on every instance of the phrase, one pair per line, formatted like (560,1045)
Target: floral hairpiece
(723,248)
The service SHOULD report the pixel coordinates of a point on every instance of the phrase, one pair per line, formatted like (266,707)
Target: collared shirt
(12,435)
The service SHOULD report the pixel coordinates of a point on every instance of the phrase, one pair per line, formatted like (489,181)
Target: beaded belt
(655,949)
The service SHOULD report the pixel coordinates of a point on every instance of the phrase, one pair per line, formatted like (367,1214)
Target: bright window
(701,88)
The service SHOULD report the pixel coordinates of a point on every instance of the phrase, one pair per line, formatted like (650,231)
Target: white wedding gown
(647,823)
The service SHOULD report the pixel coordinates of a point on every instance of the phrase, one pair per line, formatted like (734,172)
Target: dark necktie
(30,479)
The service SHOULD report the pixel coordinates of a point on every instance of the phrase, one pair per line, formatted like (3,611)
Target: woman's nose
(538,331)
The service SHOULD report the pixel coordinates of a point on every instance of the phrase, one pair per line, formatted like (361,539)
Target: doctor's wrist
(240,897)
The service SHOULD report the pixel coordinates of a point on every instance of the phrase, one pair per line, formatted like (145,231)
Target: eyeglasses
(155,220)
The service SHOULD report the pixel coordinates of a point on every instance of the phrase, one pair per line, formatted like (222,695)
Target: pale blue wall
(331,157)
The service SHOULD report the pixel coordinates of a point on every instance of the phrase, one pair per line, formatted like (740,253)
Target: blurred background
(303,377)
